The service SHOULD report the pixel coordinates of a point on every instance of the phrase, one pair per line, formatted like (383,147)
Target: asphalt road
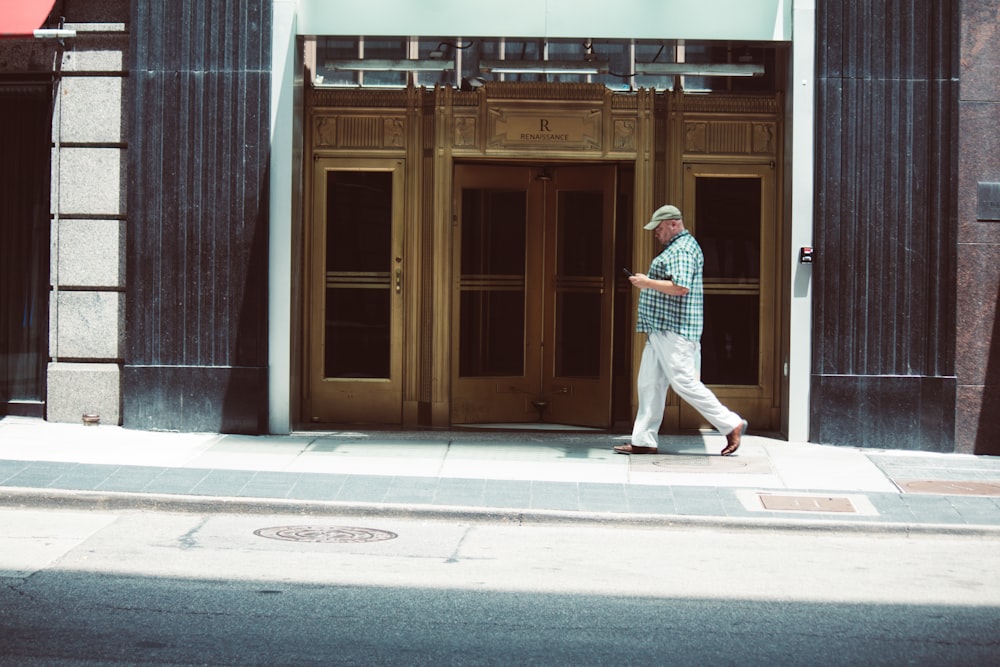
(102,588)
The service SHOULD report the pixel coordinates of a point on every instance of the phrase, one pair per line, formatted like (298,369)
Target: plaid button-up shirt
(681,258)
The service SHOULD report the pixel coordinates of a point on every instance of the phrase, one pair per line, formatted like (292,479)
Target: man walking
(671,315)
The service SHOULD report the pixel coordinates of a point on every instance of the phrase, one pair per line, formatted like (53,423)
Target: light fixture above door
(386,65)
(699,69)
(543,66)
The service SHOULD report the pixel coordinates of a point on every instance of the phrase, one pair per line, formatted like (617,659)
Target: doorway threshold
(528,427)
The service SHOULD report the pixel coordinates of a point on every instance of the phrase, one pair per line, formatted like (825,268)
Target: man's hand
(669,287)
(637,278)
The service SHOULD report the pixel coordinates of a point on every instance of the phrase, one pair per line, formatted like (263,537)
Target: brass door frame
(332,400)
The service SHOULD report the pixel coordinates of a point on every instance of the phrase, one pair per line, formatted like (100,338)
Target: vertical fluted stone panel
(196,351)
(885,224)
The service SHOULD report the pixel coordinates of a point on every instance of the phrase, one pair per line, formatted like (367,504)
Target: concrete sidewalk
(521,475)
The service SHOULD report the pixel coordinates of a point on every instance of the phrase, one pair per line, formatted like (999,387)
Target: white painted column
(799,362)
(279,259)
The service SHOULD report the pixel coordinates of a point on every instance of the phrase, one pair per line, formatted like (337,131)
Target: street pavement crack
(189,540)
(458,547)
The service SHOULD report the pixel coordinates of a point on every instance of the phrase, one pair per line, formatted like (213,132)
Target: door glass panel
(25,133)
(621,350)
(357,343)
(581,233)
(492,341)
(729,348)
(579,284)
(578,334)
(729,227)
(358,274)
(492,284)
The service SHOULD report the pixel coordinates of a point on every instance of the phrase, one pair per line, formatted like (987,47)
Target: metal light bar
(695,69)
(54,33)
(41,33)
(376,65)
(543,66)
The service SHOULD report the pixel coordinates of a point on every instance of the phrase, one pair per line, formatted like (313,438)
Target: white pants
(670,360)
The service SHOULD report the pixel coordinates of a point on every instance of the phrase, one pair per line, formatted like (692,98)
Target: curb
(17,497)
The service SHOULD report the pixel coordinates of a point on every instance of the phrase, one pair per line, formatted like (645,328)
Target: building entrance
(534,292)
(459,267)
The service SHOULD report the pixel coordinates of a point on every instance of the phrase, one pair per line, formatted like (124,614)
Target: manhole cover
(949,487)
(806,503)
(339,534)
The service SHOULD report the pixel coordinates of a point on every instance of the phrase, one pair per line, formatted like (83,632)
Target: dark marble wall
(885,224)
(977,340)
(198,155)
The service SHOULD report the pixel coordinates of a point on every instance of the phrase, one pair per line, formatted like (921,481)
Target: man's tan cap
(667,212)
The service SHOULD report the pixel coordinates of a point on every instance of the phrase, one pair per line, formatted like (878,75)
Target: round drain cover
(339,534)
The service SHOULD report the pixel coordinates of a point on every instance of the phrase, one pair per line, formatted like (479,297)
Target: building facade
(277,215)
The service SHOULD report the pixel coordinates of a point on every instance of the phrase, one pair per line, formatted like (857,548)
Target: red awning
(23,17)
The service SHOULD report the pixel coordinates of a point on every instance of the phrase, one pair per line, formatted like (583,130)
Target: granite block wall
(86,334)
(977,332)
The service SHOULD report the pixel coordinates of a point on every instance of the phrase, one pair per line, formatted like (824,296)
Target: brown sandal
(734,437)
(634,449)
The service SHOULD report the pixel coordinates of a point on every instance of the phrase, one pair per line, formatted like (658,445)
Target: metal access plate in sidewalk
(782,503)
(776,501)
(953,487)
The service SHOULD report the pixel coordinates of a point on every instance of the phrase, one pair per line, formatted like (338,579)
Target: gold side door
(533,294)
(730,209)
(579,295)
(496,300)
(354,308)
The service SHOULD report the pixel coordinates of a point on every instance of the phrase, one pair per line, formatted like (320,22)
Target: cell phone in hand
(628,273)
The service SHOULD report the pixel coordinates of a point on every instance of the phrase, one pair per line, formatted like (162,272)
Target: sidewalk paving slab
(560,474)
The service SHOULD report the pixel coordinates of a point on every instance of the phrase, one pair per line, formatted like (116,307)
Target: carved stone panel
(763,138)
(694,137)
(624,135)
(326,131)
(465,131)
(393,133)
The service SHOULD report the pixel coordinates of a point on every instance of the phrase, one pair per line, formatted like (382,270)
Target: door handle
(399,280)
